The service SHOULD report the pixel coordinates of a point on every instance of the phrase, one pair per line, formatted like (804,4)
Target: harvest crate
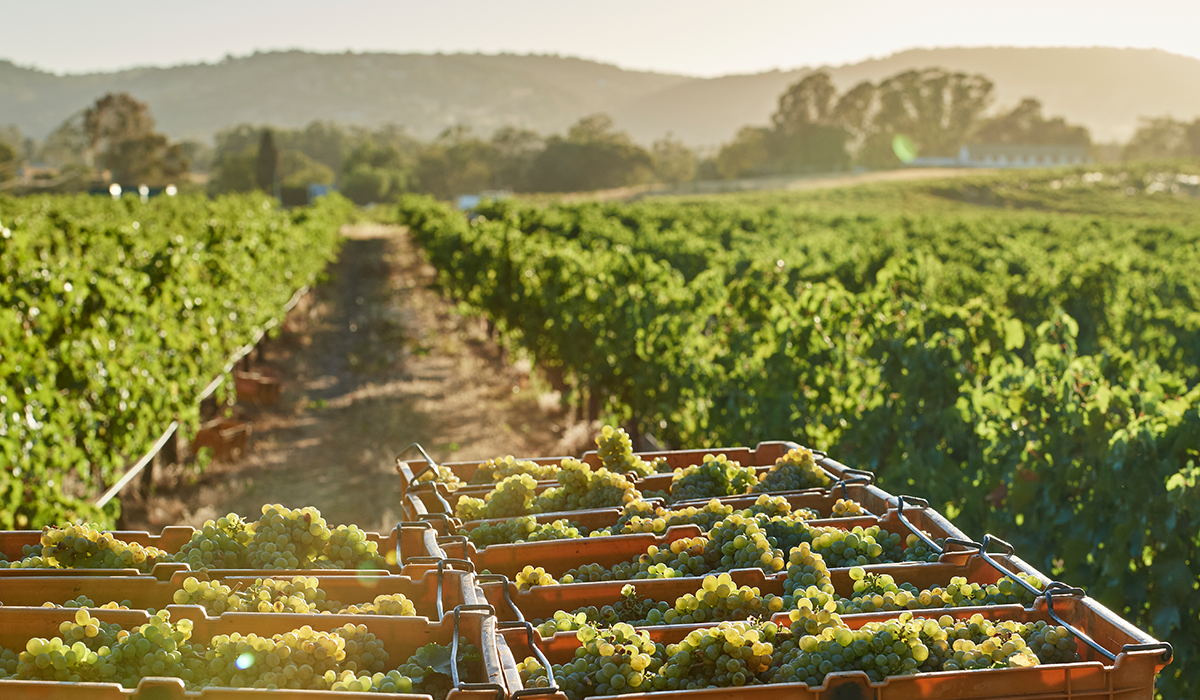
(541,602)
(434,592)
(557,556)
(405,540)
(762,456)
(401,637)
(1119,662)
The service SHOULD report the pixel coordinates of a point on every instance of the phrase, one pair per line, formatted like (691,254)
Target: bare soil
(371,361)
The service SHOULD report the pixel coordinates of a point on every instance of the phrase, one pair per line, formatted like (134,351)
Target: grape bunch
(84,547)
(580,488)
(729,655)
(845,508)
(917,550)
(347,547)
(608,662)
(494,470)
(523,529)
(300,594)
(512,498)
(85,602)
(682,557)
(9,660)
(529,577)
(874,592)
(218,544)
(715,476)
(640,516)
(31,558)
(287,538)
(393,604)
(858,546)
(441,475)
(615,450)
(794,471)
(719,599)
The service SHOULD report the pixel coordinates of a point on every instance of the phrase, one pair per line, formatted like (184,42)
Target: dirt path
(370,362)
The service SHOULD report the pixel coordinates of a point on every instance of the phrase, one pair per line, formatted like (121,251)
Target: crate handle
(538,653)
(1049,596)
(430,465)
(1008,551)
(481,578)
(458,683)
(844,482)
(1168,653)
(969,544)
(443,564)
(447,521)
(424,560)
(920,503)
(420,525)
(451,539)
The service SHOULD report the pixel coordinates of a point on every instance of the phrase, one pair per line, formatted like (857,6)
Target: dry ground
(370,362)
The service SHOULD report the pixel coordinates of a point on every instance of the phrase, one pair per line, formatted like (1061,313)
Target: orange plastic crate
(1122,668)
(401,638)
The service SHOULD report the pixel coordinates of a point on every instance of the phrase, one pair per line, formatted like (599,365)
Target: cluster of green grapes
(88,650)
(86,602)
(641,516)
(523,529)
(218,544)
(31,558)
(615,450)
(794,471)
(494,470)
(874,592)
(715,476)
(9,660)
(630,608)
(858,546)
(300,594)
(84,547)
(512,497)
(918,550)
(906,645)
(441,475)
(347,547)
(393,604)
(846,508)
(530,576)
(287,538)
(623,660)
(581,488)
(302,658)
(682,557)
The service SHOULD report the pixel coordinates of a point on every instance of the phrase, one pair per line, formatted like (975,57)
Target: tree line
(814,128)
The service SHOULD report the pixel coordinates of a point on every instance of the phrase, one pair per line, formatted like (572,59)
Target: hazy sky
(696,37)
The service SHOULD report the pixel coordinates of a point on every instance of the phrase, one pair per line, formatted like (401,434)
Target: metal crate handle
(503,580)
(1168,653)
(901,501)
(538,654)
(430,465)
(1049,596)
(444,564)
(421,525)
(454,677)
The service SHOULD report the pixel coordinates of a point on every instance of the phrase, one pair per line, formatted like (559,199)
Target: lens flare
(904,149)
(244,661)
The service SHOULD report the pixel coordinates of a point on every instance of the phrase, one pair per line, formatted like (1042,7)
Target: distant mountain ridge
(1105,89)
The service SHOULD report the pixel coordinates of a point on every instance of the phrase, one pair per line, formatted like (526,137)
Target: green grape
(512,497)
(349,548)
(394,604)
(615,450)
(9,660)
(86,602)
(219,544)
(523,529)
(580,488)
(500,468)
(917,550)
(84,547)
(442,475)
(794,471)
(287,538)
(715,476)
(529,576)
(845,508)
(425,668)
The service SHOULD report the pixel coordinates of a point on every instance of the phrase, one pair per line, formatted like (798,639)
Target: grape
(287,538)
(845,508)
(86,602)
(715,476)
(523,529)
(394,604)
(794,471)
(442,475)
(348,548)
(425,668)
(497,469)
(8,663)
(581,488)
(512,497)
(615,450)
(529,577)
(219,544)
(84,547)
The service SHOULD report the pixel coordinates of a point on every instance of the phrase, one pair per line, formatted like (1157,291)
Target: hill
(1106,89)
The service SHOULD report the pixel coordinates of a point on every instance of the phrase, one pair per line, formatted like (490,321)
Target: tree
(296,169)
(934,108)
(9,161)
(515,152)
(593,156)
(855,114)
(808,102)
(1163,137)
(456,163)
(673,161)
(375,171)
(119,132)
(267,163)
(1026,125)
(746,155)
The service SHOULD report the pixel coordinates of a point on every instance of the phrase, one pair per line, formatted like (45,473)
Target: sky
(692,37)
